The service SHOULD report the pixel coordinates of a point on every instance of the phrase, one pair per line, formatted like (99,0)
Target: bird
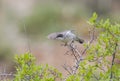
(67,36)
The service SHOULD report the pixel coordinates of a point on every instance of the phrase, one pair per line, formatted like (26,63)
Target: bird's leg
(71,42)
(64,44)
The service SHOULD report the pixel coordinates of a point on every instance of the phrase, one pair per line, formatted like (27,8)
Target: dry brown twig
(4,76)
(113,59)
(78,55)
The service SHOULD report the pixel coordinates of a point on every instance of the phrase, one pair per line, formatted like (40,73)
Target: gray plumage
(65,36)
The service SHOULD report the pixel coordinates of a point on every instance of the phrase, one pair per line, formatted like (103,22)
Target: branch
(66,68)
(97,78)
(77,55)
(84,51)
(74,51)
(92,38)
(5,76)
(113,58)
(27,38)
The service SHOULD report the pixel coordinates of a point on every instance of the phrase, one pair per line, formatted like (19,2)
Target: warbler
(67,36)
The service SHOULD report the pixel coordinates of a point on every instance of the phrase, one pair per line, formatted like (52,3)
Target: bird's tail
(80,40)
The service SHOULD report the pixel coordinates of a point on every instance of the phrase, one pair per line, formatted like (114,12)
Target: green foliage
(92,20)
(97,66)
(73,78)
(27,70)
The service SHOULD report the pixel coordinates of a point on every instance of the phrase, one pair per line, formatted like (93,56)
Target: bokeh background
(25,24)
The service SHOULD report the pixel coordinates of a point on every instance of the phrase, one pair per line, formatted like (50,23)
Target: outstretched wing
(52,36)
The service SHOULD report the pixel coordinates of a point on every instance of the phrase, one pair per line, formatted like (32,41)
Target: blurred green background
(42,17)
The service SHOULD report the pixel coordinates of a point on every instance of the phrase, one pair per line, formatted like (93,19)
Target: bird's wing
(52,35)
(58,34)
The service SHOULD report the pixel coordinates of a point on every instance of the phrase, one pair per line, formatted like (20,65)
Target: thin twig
(92,38)
(65,67)
(27,37)
(97,78)
(84,51)
(113,58)
(73,49)
(75,52)
(5,74)
(78,60)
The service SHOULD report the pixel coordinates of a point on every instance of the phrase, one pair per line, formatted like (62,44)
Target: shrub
(27,70)
(96,66)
